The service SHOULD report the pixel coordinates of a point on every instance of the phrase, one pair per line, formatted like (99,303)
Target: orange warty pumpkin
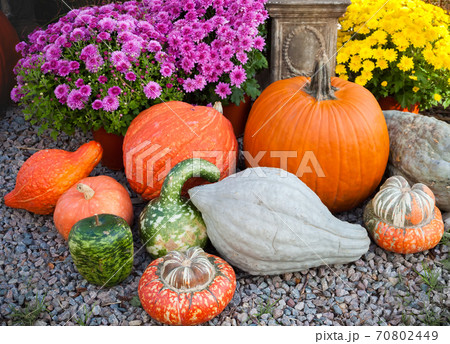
(186,288)
(91,196)
(8,58)
(168,133)
(331,133)
(47,174)
(404,219)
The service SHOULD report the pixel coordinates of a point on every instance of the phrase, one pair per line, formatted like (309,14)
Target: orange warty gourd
(330,132)
(404,219)
(168,133)
(47,174)
(91,196)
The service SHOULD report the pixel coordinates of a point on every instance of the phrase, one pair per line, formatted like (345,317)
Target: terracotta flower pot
(390,103)
(8,58)
(237,115)
(112,148)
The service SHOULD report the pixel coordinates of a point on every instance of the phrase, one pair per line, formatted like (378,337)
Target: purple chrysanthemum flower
(189,85)
(110,103)
(227,66)
(104,36)
(61,91)
(223,90)
(16,93)
(227,51)
(238,76)
(259,43)
(107,24)
(75,100)
(85,90)
(76,35)
(152,90)
(153,46)
(200,82)
(94,63)
(119,58)
(167,69)
(53,52)
(102,79)
(74,65)
(130,76)
(63,68)
(97,104)
(242,57)
(114,91)
(132,48)
(79,82)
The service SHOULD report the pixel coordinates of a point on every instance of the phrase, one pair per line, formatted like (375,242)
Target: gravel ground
(381,288)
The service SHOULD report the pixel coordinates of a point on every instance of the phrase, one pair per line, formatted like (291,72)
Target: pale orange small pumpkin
(404,219)
(90,196)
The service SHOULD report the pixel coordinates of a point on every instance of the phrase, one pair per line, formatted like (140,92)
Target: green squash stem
(319,86)
(181,172)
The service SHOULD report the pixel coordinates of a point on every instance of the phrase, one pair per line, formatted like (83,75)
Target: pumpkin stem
(181,172)
(320,84)
(188,271)
(218,106)
(86,190)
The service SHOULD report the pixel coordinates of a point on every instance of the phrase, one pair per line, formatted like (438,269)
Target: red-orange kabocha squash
(404,219)
(186,288)
(330,132)
(91,196)
(8,57)
(168,133)
(47,174)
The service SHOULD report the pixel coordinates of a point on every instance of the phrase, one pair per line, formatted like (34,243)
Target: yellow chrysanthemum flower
(382,64)
(384,83)
(360,81)
(415,89)
(368,65)
(413,77)
(406,63)
(340,69)
(437,97)
(355,63)
(390,55)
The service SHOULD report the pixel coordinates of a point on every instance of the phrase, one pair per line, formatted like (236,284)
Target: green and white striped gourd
(171,222)
(267,221)
(101,247)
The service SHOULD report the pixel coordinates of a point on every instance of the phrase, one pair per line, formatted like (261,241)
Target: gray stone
(277,313)
(430,137)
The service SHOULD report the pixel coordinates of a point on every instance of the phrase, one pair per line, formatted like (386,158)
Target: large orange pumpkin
(47,174)
(404,219)
(91,196)
(330,132)
(168,133)
(8,57)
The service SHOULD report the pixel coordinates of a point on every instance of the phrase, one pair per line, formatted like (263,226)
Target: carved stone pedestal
(299,28)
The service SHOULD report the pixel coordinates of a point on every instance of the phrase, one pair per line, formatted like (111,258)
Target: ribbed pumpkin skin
(348,136)
(8,58)
(403,219)
(47,174)
(180,306)
(168,133)
(110,197)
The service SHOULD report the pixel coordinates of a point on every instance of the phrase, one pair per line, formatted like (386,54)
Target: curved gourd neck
(171,189)
(320,86)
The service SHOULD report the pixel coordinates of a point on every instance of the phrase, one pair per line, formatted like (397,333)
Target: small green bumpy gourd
(171,222)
